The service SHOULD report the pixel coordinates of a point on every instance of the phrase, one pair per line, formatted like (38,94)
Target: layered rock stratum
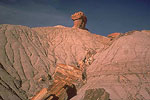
(62,63)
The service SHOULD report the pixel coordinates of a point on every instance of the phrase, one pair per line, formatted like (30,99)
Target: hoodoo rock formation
(62,63)
(79,20)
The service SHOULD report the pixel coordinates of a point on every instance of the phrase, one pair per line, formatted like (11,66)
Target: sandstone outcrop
(79,20)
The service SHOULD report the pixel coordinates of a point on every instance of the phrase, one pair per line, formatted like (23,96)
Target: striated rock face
(23,58)
(79,20)
(10,87)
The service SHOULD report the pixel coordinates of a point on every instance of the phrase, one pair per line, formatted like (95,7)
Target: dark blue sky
(104,16)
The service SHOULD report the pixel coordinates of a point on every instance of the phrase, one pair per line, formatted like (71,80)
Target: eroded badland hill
(63,63)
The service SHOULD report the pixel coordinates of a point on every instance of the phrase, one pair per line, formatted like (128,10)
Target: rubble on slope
(67,80)
(96,94)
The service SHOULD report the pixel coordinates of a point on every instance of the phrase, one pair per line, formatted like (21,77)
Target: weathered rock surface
(69,46)
(30,55)
(79,20)
(56,60)
(123,69)
(67,79)
(10,87)
(24,58)
(96,94)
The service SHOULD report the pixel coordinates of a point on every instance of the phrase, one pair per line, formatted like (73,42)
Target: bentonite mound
(23,58)
(30,56)
(64,63)
(123,69)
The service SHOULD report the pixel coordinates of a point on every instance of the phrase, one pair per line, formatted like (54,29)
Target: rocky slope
(58,63)
(30,55)
(123,69)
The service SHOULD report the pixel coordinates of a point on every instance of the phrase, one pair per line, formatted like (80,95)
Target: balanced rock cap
(79,19)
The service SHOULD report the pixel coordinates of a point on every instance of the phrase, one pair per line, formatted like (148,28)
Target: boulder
(96,94)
